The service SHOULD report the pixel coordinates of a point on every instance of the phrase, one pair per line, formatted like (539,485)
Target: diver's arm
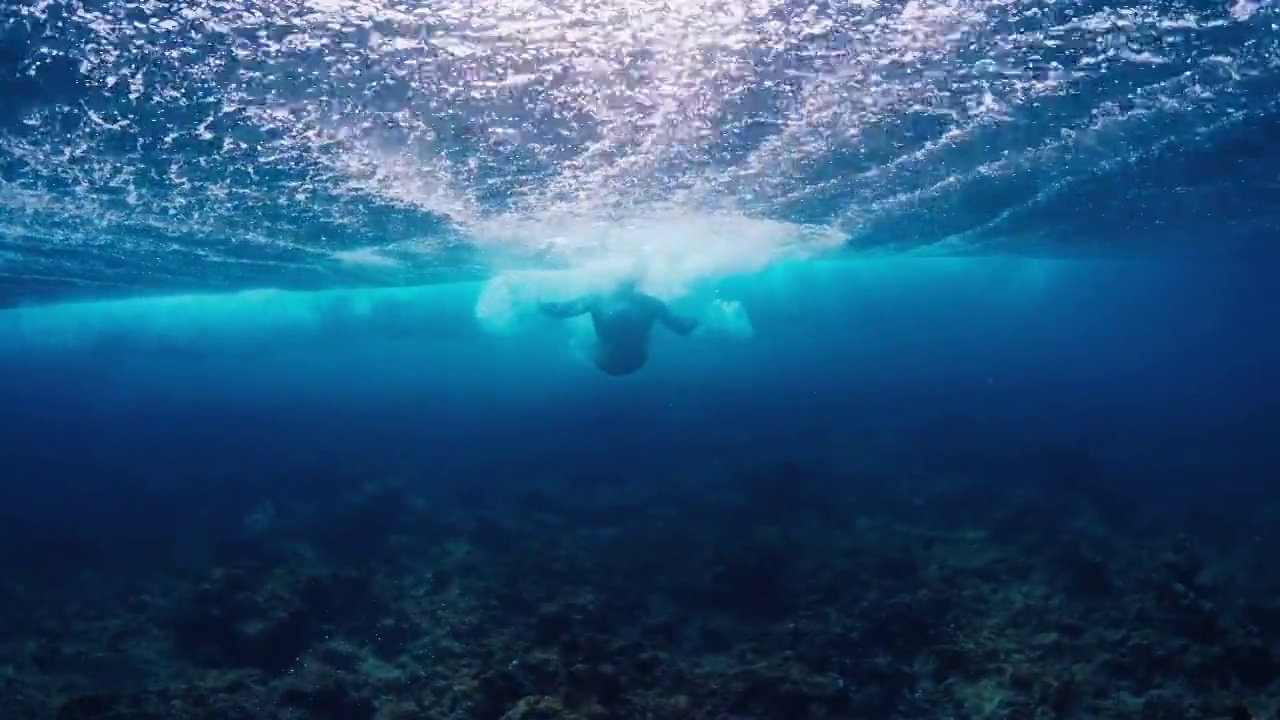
(566,310)
(678,324)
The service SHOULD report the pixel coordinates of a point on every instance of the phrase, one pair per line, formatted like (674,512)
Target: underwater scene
(639,360)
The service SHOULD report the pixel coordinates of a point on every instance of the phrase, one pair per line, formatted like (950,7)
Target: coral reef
(784,592)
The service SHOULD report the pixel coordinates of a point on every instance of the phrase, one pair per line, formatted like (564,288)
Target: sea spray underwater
(165,147)
(286,431)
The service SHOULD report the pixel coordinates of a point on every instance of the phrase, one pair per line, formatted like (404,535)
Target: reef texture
(1028,590)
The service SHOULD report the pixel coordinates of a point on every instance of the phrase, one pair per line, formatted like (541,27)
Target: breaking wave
(203,146)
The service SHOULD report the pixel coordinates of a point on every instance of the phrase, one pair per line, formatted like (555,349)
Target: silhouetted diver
(623,319)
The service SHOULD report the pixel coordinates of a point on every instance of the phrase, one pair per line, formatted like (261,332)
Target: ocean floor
(905,582)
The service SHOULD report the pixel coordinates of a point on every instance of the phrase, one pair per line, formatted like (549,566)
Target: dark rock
(601,683)
(643,668)
(1263,617)
(1238,711)
(1183,565)
(871,702)
(91,707)
(904,626)
(1087,574)
(553,621)
(1163,706)
(492,532)
(752,576)
(898,565)
(1253,664)
(328,697)
(1031,521)
(772,694)
(1070,628)
(537,708)
(266,619)
(229,626)
(496,691)
(952,661)
(1059,695)
(714,639)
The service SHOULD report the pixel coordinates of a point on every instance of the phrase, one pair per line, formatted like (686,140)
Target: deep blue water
(146,418)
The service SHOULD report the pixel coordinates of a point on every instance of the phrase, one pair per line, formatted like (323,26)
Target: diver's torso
(625,320)
(623,325)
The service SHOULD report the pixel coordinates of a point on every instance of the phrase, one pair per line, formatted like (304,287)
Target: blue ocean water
(260,257)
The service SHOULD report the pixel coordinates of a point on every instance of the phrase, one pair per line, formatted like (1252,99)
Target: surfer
(623,319)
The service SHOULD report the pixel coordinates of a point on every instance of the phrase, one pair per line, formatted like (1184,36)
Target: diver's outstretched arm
(678,324)
(566,310)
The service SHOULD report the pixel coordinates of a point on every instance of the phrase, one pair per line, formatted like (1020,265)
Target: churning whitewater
(190,146)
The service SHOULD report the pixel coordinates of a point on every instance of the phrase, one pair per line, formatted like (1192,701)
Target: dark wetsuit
(623,321)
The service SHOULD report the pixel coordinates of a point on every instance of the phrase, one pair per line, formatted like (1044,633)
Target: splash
(233,144)
(670,255)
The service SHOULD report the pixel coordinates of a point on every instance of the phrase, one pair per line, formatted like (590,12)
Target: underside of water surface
(206,146)
(952,392)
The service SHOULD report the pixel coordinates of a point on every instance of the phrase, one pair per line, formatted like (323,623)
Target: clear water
(1013,208)
(257,256)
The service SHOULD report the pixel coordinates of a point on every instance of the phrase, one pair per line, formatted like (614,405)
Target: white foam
(671,254)
(725,320)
